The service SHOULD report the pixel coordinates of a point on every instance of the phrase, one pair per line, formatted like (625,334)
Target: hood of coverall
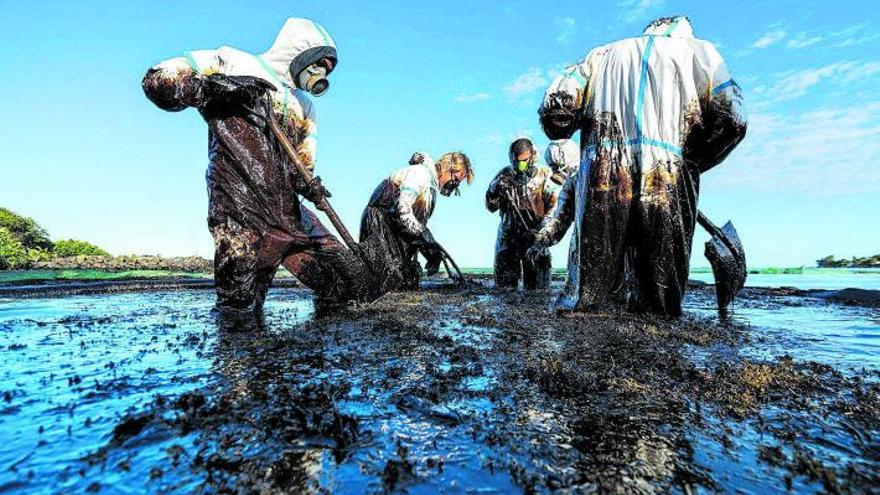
(673,27)
(563,156)
(518,147)
(301,43)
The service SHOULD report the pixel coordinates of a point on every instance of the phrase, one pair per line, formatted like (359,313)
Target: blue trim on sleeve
(643,77)
(721,87)
(192,61)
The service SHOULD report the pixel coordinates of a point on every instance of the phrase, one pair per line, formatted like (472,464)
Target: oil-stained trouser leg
(322,263)
(507,264)
(607,212)
(536,275)
(241,279)
(667,210)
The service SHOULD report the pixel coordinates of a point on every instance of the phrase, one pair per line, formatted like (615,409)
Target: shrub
(26,230)
(12,253)
(72,247)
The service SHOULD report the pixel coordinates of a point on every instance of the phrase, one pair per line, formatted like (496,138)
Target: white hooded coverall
(654,112)
(255,215)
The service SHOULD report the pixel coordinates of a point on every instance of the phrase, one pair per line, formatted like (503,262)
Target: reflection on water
(72,367)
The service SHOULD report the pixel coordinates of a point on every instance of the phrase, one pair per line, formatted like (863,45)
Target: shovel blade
(728,259)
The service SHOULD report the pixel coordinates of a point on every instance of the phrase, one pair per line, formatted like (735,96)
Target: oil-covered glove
(233,91)
(537,252)
(558,116)
(316,192)
(432,266)
(429,247)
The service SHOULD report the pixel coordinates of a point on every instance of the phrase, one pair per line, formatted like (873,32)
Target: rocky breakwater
(121,263)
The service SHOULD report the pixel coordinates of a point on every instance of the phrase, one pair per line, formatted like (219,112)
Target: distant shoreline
(43,275)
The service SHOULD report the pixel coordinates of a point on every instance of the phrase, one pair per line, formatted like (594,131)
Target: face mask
(451,186)
(314,79)
(522,165)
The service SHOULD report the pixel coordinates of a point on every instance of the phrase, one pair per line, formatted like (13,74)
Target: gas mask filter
(451,186)
(314,79)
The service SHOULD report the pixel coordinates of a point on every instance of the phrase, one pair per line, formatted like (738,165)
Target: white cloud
(790,85)
(824,152)
(770,38)
(527,83)
(803,40)
(637,10)
(470,98)
(567,30)
(854,35)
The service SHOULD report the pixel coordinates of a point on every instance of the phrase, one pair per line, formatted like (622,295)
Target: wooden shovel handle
(306,175)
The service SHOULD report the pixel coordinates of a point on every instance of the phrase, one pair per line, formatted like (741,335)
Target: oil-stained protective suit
(563,156)
(654,112)
(257,219)
(398,212)
(524,199)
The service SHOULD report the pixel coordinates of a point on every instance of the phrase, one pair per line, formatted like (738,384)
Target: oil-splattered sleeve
(310,142)
(722,123)
(564,101)
(176,83)
(554,226)
(550,194)
(412,186)
(495,192)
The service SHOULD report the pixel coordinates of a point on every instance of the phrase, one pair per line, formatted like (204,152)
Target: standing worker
(524,193)
(654,113)
(399,209)
(255,216)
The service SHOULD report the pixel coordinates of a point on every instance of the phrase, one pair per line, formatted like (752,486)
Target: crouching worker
(524,193)
(399,209)
(254,213)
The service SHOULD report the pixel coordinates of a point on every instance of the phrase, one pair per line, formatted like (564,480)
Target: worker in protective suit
(524,193)
(563,156)
(255,214)
(654,112)
(399,209)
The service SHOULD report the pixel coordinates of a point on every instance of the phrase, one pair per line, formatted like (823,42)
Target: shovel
(728,259)
(306,175)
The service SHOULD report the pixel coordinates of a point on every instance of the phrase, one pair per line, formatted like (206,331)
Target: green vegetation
(12,252)
(20,276)
(72,247)
(28,232)
(855,262)
(23,241)
(778,271)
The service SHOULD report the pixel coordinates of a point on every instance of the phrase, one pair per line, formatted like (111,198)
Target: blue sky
(87,155)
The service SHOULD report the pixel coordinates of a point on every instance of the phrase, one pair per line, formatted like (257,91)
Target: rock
(188,264)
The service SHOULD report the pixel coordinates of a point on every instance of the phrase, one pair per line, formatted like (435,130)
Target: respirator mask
(451,186)
(314,79)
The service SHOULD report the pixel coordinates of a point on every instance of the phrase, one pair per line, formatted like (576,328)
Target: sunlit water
(811,278)
(65,386)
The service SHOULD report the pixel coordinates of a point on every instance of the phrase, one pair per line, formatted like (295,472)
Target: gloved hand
(316,192)
(537,252)
(429,247)
(558,116)
(233,91)
(432,266)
